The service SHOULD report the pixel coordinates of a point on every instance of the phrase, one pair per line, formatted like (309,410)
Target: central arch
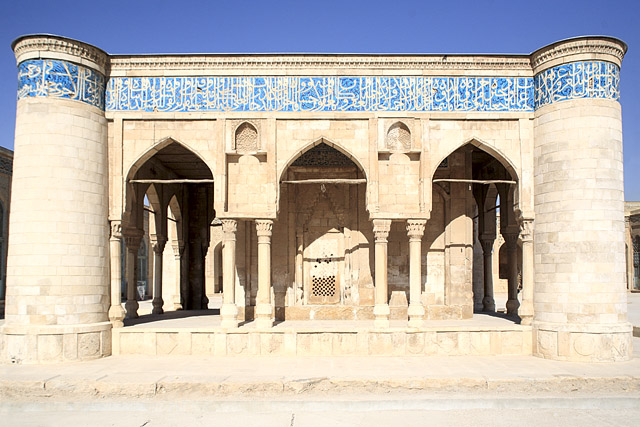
(323,208)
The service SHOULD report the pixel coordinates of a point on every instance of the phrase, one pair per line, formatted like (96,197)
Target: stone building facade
(339,187)
(632,244)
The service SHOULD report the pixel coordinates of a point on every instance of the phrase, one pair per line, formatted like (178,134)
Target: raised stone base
(583,343)
(346,341)
(54,343)
(349,312)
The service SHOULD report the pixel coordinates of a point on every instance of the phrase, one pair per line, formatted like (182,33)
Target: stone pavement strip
(246,377)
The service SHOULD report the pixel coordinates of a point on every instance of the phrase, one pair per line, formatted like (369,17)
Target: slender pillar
(132,240)
(526,237)
(178,249)
(488,303)
(116,312)
(381,310)
(158,249)
(264,310)
(415,231)
(511,239)
(229,310)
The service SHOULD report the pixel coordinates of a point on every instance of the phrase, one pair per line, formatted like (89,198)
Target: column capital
(381,228)
(487,243)
(526,229)
(264,227)
(116,229)
(229,228)
(159,243)
(132,237)
(511,239)
(415,228)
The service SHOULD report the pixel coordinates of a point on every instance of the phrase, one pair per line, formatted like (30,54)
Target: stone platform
(199,333)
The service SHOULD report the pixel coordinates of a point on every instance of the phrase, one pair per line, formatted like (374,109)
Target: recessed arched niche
(398,137)
(246,138)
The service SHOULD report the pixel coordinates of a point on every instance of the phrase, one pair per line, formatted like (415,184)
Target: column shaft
(132,240)
(158,249)
(264,309)
(229,310)
(511,240)
(488,303)
(526,236)
(416,311)
(116,312)
(381,310)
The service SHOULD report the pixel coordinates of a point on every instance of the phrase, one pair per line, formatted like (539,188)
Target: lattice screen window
(323,155)
(323,286)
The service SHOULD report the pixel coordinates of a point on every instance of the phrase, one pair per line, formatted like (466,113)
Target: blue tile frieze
(296,94)
(54,78)
(60,79)
(591,79)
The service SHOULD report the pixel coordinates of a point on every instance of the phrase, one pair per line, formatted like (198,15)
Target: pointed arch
(245,138)
(492,151)
(331,144)
(398,137)
(155,149)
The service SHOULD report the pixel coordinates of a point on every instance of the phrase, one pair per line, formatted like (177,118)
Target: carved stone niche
(245,137)
(398,137)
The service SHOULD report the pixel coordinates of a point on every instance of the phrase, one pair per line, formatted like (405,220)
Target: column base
(416,314)
(526,313)
(157,304)
(512,307)
(488,305)
(381,313)
(229,316)
(116,316)
(264,316)
(583,343)
(54,343)
(131,306)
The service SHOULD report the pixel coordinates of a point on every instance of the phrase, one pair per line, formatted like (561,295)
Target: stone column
(488,303)
(229,310)
(526,237)
(264,310)
(57,287)
(416,311)
(178,249)
(116,312)
(511,240)
(580,302)
(158,249)
(132,238)
(381,311)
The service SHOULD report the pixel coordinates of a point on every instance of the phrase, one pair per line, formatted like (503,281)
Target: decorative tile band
(319,94)
(60,79)
(591,79)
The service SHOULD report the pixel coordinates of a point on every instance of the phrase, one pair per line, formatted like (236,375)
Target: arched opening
(178,185)
(481,185)
(324,220)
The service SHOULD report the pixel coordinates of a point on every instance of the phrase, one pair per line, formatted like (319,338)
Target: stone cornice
(56,47)
(305,61)
(581,48)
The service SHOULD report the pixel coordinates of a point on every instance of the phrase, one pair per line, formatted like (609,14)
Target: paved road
(485,411)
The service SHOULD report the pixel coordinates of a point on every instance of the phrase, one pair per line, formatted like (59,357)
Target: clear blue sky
(362,26)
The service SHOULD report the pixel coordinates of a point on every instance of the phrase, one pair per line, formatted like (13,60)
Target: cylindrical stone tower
(580,297)
(57,278)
